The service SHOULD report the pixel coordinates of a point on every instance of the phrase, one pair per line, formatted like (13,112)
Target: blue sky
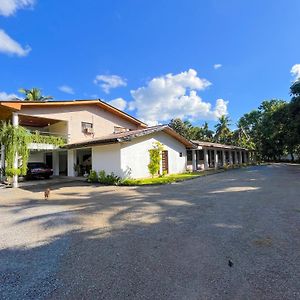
(154,59)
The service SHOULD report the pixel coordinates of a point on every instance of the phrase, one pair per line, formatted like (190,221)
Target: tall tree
(223,133)
(34,94)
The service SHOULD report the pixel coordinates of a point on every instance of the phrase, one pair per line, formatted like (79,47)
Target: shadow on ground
(164,242)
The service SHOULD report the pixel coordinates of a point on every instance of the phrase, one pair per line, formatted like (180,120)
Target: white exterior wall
(107,158)
(135,155)
(37,156)
(102,120)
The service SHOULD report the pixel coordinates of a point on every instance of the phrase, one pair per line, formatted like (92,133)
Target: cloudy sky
(156,60)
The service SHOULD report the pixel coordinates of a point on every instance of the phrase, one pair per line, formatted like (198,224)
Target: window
(87,127)
(180,154)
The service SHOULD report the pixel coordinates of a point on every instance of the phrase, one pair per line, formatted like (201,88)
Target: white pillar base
(55,163)
(194,160)
(216,159)
(71,162)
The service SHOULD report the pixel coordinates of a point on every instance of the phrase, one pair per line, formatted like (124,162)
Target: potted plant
(76,169)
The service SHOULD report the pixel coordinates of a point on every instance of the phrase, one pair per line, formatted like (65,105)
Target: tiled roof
(130,135)
(217,145)
(16,105)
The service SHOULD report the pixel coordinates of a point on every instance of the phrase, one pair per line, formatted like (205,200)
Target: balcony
(45,133)
(41,140)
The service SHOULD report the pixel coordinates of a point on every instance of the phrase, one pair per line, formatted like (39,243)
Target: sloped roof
(129,136)
(16,105)
(217,145)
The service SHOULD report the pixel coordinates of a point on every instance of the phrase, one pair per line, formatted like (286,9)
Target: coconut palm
(223,133)
(34,94)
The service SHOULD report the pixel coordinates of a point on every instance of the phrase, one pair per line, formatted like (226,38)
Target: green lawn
(167,178)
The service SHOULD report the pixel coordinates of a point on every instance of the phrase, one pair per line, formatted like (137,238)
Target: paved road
(162,242)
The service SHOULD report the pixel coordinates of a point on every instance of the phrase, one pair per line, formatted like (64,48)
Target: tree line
(272,130)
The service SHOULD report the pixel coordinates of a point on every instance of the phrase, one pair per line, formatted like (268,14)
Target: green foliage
(93,177)
(163,179)
(47,139)
(15,140)
(223,134)
(12,171)
(103,178)
(34,94)
(190,132)
(155,158)
(109,179)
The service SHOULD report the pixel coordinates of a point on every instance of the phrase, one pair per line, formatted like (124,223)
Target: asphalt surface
(157,242)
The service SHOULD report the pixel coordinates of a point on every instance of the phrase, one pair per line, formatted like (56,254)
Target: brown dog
(47,194)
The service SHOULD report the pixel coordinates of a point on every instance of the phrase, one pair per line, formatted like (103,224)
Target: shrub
(155,158)
(93,177)
(110,179)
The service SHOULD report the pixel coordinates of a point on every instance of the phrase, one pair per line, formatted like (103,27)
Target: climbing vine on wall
(15,141)
(155,158)
(47,139)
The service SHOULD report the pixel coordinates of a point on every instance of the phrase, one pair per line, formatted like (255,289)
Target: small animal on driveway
(47,194)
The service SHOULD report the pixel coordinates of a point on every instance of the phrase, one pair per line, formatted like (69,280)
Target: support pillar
(230,157)
(71,162)
(245,157)
(194,160)
(2,163)
(205,152)
(216,158)
(55,163)
(241,157)
(15,123)
(224,158)
(236,158)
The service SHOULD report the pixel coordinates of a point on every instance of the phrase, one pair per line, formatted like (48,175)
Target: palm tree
(34,94)
(222,130)
(207,133)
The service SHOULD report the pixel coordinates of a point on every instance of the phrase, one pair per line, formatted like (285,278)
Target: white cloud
(175,96)
(10,46)
(217,66)
(119,103)
(6,97)
(295,71)
(9,7)
(108,82)
(66,89)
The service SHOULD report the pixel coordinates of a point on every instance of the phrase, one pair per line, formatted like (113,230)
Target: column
(15,123)
(230,157)
(216,158)
(71,162)
(15,119)
(205,152)
(194,160)
(2,162)
(55,162)
(224,158)
(245,157)
(241,157)
(236,158)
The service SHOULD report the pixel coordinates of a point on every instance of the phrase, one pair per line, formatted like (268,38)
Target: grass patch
(168,178)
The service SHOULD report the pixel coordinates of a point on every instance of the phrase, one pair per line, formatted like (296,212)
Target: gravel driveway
(159,242)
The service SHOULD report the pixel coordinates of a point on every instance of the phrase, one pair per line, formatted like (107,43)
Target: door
(165,161)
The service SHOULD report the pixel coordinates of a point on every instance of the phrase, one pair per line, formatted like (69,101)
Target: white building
(98,136)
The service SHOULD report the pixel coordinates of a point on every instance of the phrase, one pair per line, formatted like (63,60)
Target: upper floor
(76,121)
